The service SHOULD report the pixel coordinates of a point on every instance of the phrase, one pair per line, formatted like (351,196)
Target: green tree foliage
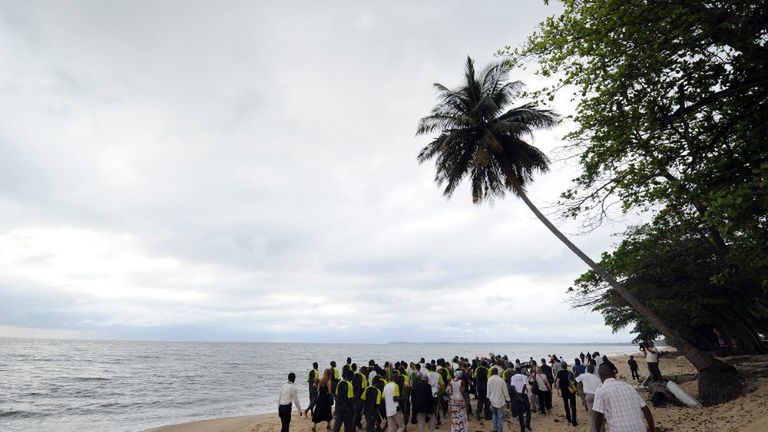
(483,139)
(675,274)
(672,111)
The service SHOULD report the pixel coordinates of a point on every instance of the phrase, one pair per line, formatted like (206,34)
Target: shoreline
(748,413)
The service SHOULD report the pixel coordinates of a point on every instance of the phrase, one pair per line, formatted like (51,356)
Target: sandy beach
(749,413)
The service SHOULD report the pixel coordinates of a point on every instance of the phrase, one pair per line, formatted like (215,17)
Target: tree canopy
(671,118)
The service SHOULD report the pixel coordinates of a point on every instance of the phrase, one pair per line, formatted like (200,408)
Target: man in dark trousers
(359,384)
(481,386)
(345,404)
(633,368)
(547,369)
(422,408)
(372,403)
(288,396)
(652,359)
(312,379)
(521,408)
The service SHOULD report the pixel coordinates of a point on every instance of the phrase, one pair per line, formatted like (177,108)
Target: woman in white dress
(457,403)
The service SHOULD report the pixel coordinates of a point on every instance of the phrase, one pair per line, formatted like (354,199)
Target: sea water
(126,386)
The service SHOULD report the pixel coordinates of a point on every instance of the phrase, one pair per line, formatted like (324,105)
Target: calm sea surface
(67,386)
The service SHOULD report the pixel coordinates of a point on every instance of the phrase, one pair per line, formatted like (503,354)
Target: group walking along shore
(425,395)
(749,413)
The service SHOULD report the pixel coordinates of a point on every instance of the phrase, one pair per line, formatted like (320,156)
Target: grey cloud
(266,150)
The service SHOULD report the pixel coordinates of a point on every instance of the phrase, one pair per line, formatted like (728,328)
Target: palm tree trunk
(714,372)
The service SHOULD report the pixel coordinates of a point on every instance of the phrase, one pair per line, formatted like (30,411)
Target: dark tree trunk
(719,381)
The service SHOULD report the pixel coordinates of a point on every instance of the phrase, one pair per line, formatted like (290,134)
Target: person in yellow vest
(372,399)
(312,379)
(347,366)
(404,381)
(481,381)
(359,384)
(345,404)
(335,376)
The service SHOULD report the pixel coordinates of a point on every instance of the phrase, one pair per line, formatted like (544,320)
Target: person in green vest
(359,384)
(348,365)
(481,382)
(372,405)
(312,379)
(345,404)
(335,376)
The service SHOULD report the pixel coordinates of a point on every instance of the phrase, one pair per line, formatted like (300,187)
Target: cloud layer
(247,171)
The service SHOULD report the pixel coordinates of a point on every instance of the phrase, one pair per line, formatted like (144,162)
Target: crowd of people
(428,393)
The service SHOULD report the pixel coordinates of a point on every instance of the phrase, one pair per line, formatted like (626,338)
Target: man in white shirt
(652,359)
(598,359)
(521,406)
(391,402)
(434,380)
(589,384)
(618,404)
(288,395)
(498,395)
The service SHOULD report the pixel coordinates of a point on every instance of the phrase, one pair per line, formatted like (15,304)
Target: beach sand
(749,413)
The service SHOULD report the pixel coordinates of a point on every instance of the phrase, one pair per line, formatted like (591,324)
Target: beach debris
(682,396)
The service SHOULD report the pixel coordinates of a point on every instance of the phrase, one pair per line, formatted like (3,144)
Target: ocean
(127,386)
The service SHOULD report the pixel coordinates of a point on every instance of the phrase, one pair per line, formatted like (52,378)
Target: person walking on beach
(633,368)
(543,390)
(607,361)
(335,376)
(589,383)
(457,402)
(323,411)
(618,404)
(557,366)
(312,379)
(481,386)
(422,407)
(568,392)
(578,367)
(359,384)
(547,371)
(598,359)
(392,402)
(404,382)
(652,358)
(345,404)
(521,407)
(498,396)
(372,401)
(347,366)
(288,396)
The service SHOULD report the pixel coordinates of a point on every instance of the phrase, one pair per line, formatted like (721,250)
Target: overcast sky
(247,171)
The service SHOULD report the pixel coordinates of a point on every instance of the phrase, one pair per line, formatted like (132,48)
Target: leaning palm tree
(482,139)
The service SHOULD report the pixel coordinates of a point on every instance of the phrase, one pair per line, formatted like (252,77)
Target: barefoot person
(288,396)
(618,404)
